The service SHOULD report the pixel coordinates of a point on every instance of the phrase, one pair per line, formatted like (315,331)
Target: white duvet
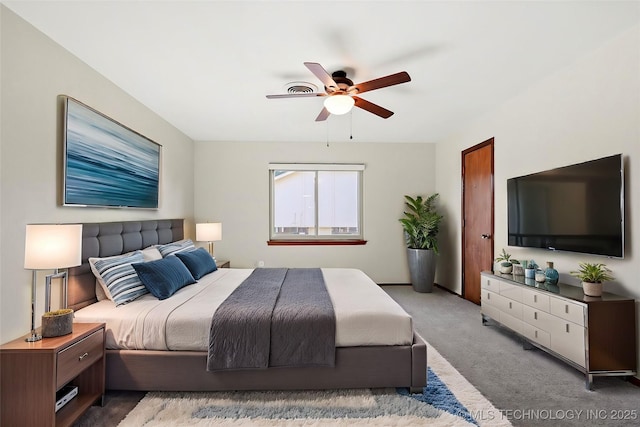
(365,314)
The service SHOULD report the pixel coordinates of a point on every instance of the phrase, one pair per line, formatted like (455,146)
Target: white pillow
(100,295)
(151,254)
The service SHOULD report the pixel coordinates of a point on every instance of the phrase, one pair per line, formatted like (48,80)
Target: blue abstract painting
(106,163)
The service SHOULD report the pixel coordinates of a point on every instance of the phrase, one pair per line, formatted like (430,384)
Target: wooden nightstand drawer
(79,356)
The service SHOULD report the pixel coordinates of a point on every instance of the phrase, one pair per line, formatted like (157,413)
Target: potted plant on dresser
(506,262)
(421,223)
(592,276)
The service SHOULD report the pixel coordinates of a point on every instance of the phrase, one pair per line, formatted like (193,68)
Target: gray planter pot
(422,268)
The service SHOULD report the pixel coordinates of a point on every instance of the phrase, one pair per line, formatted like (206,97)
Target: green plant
(592,272)
(421,222)
(505,259)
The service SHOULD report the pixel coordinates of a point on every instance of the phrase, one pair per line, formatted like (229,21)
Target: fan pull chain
(351,124)
(327,122)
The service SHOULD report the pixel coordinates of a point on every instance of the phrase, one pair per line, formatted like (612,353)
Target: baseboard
(409,284)
(446,289)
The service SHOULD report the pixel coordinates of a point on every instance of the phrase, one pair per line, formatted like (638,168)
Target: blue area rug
(438,395)
(448,400)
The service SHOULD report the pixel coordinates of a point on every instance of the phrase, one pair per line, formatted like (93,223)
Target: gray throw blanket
(276,317)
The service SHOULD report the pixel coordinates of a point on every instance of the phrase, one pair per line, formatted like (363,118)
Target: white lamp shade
(209,232)
(339,104)
(49,246)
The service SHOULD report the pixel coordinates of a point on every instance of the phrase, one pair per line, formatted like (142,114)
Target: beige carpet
(449,400)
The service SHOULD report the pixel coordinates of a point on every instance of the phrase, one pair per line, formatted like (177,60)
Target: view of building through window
(316,203)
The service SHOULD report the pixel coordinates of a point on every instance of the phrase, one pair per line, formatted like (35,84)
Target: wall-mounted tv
(576,208)
(106,164)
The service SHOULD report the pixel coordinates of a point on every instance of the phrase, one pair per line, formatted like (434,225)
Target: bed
(371,350)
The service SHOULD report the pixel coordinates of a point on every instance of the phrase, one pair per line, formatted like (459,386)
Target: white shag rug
(448,400)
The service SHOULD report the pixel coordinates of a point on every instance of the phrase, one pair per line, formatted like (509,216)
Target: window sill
(316,242)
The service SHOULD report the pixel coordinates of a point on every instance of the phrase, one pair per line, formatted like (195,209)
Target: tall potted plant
(421,223)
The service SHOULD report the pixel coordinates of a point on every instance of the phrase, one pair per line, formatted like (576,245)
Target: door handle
(485,236)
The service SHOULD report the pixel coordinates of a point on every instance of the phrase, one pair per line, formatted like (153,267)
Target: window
(316,202)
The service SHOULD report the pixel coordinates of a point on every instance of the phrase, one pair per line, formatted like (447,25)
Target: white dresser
(595,335)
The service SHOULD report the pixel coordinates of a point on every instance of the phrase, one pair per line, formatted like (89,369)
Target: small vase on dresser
(551,274)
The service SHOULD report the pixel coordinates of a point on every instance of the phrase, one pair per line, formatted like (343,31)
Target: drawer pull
(535,298)
(510,306)
(567,327)
(83,356)
(536,334)
(535,315)
(566,308)
(488,296)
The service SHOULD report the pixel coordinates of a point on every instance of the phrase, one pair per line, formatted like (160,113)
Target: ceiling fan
(342,94)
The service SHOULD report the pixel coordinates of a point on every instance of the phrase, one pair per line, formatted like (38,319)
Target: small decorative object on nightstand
(32,373)
(57,323)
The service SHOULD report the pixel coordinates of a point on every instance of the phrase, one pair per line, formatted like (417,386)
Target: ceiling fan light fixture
(339,104)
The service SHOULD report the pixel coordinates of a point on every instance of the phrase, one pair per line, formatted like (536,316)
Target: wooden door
(477,217)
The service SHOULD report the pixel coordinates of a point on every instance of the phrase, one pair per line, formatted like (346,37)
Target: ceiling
(206,66)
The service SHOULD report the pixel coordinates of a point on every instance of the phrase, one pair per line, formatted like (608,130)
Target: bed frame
(355,367)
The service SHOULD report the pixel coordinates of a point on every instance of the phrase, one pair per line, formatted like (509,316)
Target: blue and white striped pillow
(119,278)
(175,247)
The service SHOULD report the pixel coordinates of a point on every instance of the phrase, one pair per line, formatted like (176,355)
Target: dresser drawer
(536,335)
(489,284)
(571,311)
(535,299)
(511,322)
(510,291)
(568,340)
(538,318)
(79,356)
(490,298)
(491,311)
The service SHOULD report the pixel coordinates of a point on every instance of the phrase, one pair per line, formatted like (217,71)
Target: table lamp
(51,247)
(209,232)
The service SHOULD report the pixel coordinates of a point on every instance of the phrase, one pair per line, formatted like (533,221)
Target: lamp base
(33,338)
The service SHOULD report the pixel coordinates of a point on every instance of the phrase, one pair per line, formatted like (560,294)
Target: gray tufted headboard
(114,238)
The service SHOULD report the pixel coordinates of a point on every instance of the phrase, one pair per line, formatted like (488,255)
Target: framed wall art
(106,164)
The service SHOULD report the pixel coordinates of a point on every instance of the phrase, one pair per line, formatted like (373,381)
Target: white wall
(588,110)
(34,71)
(232,187)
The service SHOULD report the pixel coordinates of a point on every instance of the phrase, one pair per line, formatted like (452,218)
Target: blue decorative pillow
(199,262)
(164,277)
(118,277)
(175,247)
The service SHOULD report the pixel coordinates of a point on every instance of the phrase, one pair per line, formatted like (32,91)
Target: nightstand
(32,372)
(222,263)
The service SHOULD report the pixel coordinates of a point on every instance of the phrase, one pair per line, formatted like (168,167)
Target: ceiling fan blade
(324,114)
(322,74)
(296,95)
(372,108)
(393,79)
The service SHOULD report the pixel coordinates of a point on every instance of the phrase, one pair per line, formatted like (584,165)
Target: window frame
(337,239)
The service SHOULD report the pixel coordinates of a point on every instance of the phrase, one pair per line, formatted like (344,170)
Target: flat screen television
(106,164)
(576,208)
